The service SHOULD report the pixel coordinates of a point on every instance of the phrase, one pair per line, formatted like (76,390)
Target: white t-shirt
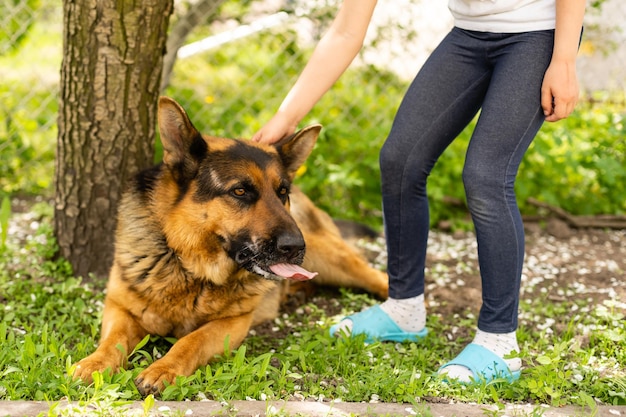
(503,16)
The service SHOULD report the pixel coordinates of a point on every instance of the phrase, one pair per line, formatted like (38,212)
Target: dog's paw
(153,379)
(95,362)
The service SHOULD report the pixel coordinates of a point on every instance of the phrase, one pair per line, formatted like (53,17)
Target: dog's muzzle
(275,260)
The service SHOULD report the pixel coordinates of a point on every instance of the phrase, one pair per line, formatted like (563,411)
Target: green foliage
(28,110)
(579,164)
(23,141)
(16,18)
(233,84)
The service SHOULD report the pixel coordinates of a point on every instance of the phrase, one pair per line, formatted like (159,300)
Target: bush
(578,163)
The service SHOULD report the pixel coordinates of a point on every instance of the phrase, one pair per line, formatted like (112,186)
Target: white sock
(502,344)
(409,314)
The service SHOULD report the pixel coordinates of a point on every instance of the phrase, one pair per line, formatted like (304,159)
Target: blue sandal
(377,326)
(484,364)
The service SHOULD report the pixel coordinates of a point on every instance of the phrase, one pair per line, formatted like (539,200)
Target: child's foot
(484,359)
(393,320)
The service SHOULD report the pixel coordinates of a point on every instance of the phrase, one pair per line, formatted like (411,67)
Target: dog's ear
(295,149)
(183,145)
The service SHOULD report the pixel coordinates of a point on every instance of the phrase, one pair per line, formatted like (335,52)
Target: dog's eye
(283,194)
(245,193)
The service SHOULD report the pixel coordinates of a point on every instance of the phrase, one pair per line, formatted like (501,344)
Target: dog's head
(229,199)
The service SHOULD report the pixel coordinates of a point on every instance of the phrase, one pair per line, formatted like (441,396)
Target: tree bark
(110,76)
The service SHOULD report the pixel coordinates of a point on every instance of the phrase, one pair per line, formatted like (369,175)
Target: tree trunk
(110,75)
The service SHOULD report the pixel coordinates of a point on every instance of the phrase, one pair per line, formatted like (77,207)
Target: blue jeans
(499,74)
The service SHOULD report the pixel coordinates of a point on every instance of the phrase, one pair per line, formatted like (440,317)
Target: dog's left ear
(296,148)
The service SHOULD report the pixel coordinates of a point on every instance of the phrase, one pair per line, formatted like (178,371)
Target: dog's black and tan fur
(195,241)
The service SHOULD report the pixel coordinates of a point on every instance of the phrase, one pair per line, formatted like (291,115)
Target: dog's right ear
(183,145)
(296,148)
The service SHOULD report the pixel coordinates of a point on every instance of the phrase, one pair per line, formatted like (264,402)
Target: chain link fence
(239,61)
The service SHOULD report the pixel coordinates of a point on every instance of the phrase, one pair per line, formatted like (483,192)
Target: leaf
(9,370)
(140,344)
(544,360)
(587,399)
(148,404)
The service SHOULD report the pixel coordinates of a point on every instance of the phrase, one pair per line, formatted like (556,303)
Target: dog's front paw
(153,379)
(92,363)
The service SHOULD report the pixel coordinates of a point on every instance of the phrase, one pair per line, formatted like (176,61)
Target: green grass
(49,320)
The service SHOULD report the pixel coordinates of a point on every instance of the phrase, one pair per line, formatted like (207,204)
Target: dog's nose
(290,245)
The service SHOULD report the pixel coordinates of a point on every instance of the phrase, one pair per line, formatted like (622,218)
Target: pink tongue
(293,272)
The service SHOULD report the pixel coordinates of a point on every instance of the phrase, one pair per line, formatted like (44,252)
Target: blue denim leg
(469,71)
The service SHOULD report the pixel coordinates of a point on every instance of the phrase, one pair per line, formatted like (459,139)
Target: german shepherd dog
(205,243)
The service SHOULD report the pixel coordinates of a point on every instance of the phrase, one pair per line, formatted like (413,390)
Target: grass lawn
(573,348)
